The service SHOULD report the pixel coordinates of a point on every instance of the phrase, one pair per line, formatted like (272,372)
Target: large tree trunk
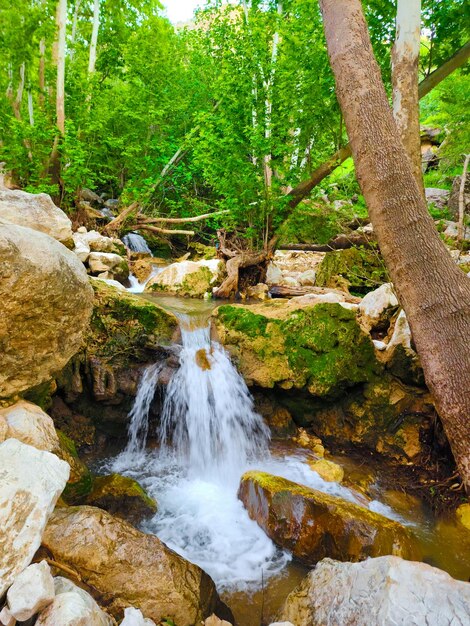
(405,60)
(301,191)
(434,292)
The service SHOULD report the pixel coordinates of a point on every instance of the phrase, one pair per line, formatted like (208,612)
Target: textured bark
(94,37)
(298,193)
(460,232)
(233,266)
(405,59)
(434,292)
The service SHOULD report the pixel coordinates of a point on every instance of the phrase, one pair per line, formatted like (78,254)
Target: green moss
(202,251)
(197,283)
(122,496)
(320,347)
(359,269)
(80,482)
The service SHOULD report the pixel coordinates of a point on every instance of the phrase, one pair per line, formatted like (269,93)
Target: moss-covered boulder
(188,278)
(122,496)
(124,324)
(385,415)
(319,347)
(80,482)
(314,525)
(356,269)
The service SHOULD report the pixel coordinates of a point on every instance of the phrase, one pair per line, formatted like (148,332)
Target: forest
(235,330)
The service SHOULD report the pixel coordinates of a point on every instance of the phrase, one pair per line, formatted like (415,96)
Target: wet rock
(319,347)
(29,424)
(463,515)
(134,617)
(35,211)
(108,262)
(127,567)
(73,606)
(31,592)
(122,496)
(188,278)
(314,525)
(385,590)
(355,268)
(329,471)
(80,481)
(306,440)
(258,292)
(437,197)
(141,268)
(41,277)
(377,308)
(32,481)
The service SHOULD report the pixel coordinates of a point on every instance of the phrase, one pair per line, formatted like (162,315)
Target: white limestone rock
(36,211)
(273,275)
(380,591)
(104,262)
(401,335)
(377,307)
(81,249)
(193,278)
(29,424)
(31,592)
(72,606)
(307,278)
(6,618)
(31,482)
(134,617)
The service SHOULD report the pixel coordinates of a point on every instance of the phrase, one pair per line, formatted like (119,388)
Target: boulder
(273,274)
(73,606)
(437,197)
(122,496)
(36,211)
(329,471)
(46,307)
(80,482)
(319,347)
(81,249)
(399,356)
(307,278)
(385,590)
(314,525)
(31,483)
(357,269)
(127,567)
(188,278)
(110,263)
(29,424)
(97,242)
(31,592)
(6,618)
(377,308)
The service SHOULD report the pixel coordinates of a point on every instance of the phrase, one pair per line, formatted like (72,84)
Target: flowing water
(209,435)
(136,243)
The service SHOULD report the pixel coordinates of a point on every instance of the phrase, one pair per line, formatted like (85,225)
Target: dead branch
(180,220)
(341,242)
(114,225)
(163,231)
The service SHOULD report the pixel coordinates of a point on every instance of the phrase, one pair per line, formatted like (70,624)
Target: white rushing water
(210,436)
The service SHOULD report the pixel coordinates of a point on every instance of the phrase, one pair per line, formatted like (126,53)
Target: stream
(209,435)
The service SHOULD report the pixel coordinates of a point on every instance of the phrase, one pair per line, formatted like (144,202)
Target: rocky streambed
(270,441)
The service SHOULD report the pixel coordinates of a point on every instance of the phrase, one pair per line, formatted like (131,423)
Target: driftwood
(281,291)
(113,227)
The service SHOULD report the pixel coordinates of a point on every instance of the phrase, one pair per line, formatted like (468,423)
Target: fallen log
(341,242)
(284,291)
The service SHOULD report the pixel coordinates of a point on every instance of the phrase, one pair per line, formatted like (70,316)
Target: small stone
(463,515)
(307,278)
(81,229)
(377,307)
(31,592)
(213,620)
(134,617)
(379,345)
(329,471)
(311,442)
(6,618)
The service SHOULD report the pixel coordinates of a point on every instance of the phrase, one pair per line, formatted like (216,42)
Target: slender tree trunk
(300,191)
(405,59)
(42,72)
(434,292)
(94,37)
(76,12)
(61,19)
(462,201)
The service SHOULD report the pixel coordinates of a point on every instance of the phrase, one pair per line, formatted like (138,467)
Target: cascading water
(210,434)
(136,243)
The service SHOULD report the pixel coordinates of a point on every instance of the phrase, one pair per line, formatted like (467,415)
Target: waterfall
(208,417)
(136,243)
(138,426)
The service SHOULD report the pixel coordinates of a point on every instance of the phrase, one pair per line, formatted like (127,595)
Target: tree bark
(405,60)
(298,193)
(433,291)
(61,19)
(94,37)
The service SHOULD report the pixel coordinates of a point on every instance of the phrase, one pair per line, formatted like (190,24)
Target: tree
(434,292)
(405,61)
(94,37)
(60,61)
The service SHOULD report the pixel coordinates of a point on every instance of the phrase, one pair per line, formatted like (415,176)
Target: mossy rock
(124,324)
(314,525)
(80,482)
(196,284)
(320,347)
(201,251)
(122,496)
(358,269)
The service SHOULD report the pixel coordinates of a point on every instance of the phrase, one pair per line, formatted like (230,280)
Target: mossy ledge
(319,347)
